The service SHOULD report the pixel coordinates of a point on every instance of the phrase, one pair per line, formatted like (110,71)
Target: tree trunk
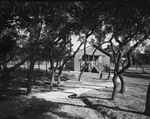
(142,68)
(5,71)
(147,106)
(29,76)
(46,67)
(82,70)
(58,79)
(122,90)
(5,74)
(53,72)
(59,75)
(19,64)
(5,77)
(115,87)
(101,74)
(39,66)
(108,74)
(52,79)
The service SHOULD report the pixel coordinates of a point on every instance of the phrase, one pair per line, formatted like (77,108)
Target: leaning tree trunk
(82,70)
(147,106)
(52,79)
(58,78)
(101,74)
(109,73)
(59,74)
(29,76)
(53,72)
(122,90)
(115,87)
(142,68)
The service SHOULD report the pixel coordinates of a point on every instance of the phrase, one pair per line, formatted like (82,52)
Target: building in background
(95,62)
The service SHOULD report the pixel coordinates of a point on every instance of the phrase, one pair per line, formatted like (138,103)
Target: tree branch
(129,54)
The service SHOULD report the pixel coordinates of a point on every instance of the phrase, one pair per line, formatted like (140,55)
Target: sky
(77,43)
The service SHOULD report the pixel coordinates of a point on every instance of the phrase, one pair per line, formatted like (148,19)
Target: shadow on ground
(109,109)
(96,106)
(17,83)
(137,74)
(34,109)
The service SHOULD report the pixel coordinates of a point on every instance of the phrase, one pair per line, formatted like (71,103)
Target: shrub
(106,68)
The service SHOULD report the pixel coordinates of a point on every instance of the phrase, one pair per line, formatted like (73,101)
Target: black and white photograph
(75,59)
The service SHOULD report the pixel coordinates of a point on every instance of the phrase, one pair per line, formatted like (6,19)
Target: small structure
(95,62)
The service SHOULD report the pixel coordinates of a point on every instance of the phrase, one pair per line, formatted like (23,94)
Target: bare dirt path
(72,87)
(73,106)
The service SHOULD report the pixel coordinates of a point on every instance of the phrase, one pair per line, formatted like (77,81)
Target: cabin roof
(90,49)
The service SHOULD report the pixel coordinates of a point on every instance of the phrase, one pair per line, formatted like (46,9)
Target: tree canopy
(33,30)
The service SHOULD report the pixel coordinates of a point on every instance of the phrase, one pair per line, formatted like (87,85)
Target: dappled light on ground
(90,98)
(35,108)
(127,106)
(42,103)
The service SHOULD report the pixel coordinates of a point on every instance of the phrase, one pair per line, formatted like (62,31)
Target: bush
(106,68)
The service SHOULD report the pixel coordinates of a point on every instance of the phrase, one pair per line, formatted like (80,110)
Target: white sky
(77,43)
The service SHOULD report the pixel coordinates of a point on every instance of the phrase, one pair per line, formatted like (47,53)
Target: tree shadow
(136,84)
(76,86)
(116,108)
(22,72)
(137,74)
(110,90)
(35,108)
(63,87)
(17,83)
(102,80)
(66,77)
(87,84)
(12,88)
(95,97)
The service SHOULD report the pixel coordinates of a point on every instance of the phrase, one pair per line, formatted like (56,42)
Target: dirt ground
(93,104)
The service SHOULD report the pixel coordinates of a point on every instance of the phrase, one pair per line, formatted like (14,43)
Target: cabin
(95,61)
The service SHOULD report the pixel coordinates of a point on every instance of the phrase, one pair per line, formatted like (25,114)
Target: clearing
(92,100)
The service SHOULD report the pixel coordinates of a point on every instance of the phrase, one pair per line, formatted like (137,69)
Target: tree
(74,18)
(147,105)
(49,25)
(7,43)
(123,35)
(8,39)
(127,23)
(25,17)
(60,23)
(147,53)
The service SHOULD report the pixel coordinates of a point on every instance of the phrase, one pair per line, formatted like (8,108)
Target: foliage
(42,30)
(106,68)
(147,53)
(141,57)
